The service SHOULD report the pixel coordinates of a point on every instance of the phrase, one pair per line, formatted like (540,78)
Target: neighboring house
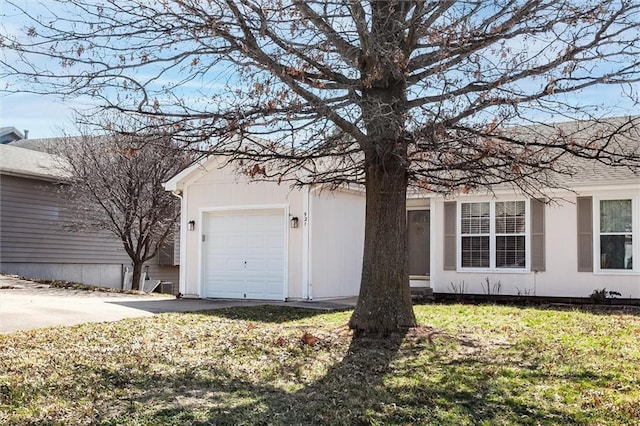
(33,241)
(10,134)
(239,239)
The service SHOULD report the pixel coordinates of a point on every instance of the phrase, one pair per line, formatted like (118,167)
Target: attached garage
(244,254)
(243,239)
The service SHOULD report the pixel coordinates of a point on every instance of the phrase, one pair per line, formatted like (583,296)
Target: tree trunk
(384,304)
(136,284)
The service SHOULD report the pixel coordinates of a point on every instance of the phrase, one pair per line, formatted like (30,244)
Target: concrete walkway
(26,305)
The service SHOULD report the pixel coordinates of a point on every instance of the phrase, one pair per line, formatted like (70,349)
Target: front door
(418,242)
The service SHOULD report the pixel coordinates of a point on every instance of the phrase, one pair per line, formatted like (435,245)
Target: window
(493,235)
(510,234)
(616,234)
(475,228)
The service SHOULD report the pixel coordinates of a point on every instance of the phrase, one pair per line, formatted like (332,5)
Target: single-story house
(33,239)
(260,240)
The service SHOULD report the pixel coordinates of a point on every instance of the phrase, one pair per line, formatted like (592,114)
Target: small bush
(600,296)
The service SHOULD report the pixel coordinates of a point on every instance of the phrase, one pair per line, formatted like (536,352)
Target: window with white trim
(475,228)
(616,234)
(493,235)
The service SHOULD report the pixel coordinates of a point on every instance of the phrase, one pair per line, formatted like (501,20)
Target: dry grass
(273,365)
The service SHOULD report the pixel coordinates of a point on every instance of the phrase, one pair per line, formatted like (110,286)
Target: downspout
(306,246)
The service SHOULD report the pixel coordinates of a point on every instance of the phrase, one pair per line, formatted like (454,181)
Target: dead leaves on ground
(307,339)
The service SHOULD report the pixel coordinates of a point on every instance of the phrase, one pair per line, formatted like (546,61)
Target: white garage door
(244,254)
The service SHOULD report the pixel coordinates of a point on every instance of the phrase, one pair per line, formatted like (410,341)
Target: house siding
(34,243)
(337,244)
(222,188)
(559,279)
(32,229)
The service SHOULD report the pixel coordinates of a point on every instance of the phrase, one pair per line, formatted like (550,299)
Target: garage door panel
(244,254)
(255,265)
(236,242)
(256,243)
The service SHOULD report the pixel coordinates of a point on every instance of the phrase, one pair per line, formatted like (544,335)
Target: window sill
(494,271)
(618,272)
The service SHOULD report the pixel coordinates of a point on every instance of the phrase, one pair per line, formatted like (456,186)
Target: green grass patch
(465,365)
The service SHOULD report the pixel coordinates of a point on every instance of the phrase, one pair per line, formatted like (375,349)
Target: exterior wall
(560,278)
(34,244)
(336,243)
(222,188)
(105,275)
(163,273)
(32,229)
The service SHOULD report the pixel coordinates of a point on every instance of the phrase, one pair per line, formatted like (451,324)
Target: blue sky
(48,116)
(43,117)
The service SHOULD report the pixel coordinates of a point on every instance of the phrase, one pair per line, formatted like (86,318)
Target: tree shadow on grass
(397,379)
(348,393)
(265,313)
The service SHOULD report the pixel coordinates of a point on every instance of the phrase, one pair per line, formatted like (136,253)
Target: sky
(43,117)
(48,116)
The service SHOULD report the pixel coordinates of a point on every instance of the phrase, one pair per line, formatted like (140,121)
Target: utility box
(168,287)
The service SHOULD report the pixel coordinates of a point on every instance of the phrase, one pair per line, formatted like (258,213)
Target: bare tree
(115,185)
(389,94)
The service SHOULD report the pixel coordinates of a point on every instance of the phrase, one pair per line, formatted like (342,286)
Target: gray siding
(32,229)
(450,238)
(34,243)
(164,273)
(169,253)
(176,245)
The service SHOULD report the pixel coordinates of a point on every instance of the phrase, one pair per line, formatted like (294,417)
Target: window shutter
(450,239)
(584,206)
(537,235)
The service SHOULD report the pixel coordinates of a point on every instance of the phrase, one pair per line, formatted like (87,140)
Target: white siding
(337,240)
(222,188)
(561,278)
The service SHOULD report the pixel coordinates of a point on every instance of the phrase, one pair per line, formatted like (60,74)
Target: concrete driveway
(27,305)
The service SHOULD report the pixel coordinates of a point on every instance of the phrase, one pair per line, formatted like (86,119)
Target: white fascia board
(197,169)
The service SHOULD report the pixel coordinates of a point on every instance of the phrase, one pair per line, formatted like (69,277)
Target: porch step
(422,292)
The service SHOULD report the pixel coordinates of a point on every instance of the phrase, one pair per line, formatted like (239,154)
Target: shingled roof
(590,172)
(16,161)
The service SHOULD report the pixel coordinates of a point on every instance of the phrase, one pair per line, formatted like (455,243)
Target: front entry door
(418,242)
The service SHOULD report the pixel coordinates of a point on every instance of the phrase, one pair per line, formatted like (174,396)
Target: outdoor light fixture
(192,225)
(294,222)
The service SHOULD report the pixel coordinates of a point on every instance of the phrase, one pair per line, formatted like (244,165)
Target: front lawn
(270,365)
